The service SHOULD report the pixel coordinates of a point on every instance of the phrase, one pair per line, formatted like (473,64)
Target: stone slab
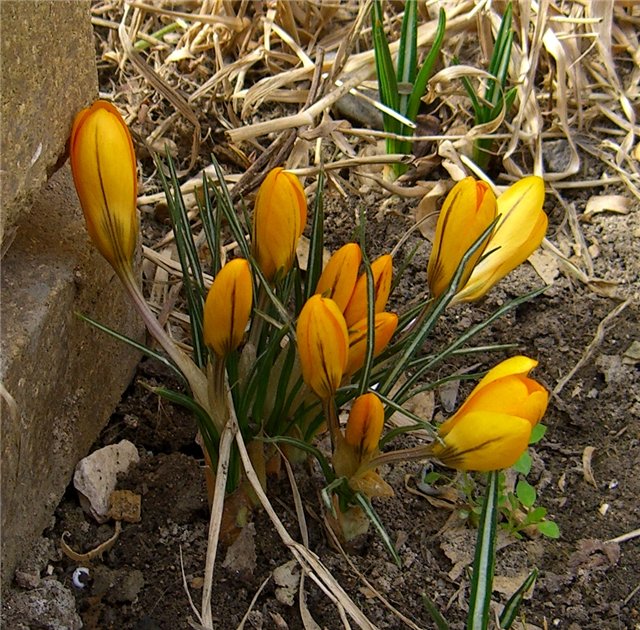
(48,69)
(63,376)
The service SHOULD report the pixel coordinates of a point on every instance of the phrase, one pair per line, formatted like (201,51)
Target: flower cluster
(278,367)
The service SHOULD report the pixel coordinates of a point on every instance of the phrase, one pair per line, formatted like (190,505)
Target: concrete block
(63,377)
(48,74)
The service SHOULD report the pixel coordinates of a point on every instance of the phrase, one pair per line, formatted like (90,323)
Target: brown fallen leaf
(94,553)
(587,472)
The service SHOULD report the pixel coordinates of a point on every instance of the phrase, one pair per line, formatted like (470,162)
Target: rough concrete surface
(64,376)
(48,72)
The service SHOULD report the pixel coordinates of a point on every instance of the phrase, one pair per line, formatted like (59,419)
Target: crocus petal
(339,277)
(467,212)
(520,231)
(103,165)
(507,390)
(279,219)
(384,324)
(323,344)
(382,270)
(484,441)
(228,307)
(365,423)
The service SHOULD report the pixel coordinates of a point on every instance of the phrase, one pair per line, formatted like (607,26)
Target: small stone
(97,474)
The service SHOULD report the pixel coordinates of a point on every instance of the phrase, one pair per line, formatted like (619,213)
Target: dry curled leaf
(587,472)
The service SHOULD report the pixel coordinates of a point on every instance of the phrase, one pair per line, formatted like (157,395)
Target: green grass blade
(387,84)
(368,361)
(134,344)
(499,63)
(308,448)
(426,70)
(418,337)
(205,424)
(367,508)
(407,52)
(211,225)
(436,615)
(316,242)
(226,205)
(484,560)
(511,608)
(192,279)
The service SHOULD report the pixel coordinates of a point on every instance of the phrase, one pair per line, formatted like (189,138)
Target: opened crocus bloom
(278,222)
(492,428)
(382,270)
(521,227)
(103,164)
(339,277)
(468,210)
(323,345)
(228,307)
(384,325)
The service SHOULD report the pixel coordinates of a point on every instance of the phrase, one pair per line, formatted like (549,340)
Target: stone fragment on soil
(96,476)
(50,606)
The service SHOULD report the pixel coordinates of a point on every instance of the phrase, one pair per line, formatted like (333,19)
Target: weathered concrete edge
(65,376)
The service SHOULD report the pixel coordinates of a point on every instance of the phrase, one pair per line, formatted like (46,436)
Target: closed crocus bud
(365,423)
(520,230)
(278,222)
(468,211)
(228,307)
(384,324)
(492,428)
(323,345)
(339,277)
(382,269)
(103,164)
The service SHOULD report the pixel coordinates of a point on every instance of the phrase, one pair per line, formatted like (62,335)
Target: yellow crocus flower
(228,307)
(323,345)
(519,232)
(279,219)
(103,164)
(339,277)
(468,210)
(384,324)
(382,269)
(365,424)
(492,428)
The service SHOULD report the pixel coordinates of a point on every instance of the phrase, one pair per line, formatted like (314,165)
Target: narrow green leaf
(367,508)
(192,279)
(316,242)
(387,84)
(436,616)
(327,471)
(511,608)
(484,560)
(365,371)
(205,423)
(134,344)
(407,52)
(426,70)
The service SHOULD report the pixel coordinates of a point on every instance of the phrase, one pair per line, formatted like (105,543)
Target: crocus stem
(258,321)
(196,379)
(329,409)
